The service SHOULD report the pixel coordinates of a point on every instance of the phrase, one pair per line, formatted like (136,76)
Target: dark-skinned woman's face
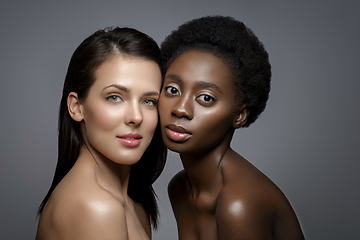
(197,104)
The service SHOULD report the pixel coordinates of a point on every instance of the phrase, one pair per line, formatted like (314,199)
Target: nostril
(183,108)
(181,115)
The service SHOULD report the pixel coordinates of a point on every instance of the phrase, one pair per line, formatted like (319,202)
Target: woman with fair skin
(102,188)
(217,79)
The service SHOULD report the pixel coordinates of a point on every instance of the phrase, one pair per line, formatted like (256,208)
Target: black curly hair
(231,40)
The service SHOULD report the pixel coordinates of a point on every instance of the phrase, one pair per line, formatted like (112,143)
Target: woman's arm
(262,215)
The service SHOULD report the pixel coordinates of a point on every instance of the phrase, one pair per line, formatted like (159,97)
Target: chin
(128,161)
(129,158)
(176,147)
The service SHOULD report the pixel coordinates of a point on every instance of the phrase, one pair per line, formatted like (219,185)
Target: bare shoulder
(252,206)
(241,212)
(178,189)
(98,216)
(83,213)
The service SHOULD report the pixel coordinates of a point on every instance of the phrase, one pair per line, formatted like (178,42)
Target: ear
(75,107)
(241,117)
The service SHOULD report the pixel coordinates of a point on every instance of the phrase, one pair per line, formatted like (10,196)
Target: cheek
(164,107)
(214,121)
(104,118)
(150,120)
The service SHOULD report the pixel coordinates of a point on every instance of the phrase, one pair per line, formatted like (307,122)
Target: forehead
(128,72)
(198,66)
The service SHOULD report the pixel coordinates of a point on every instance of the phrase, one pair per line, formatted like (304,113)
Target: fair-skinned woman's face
(120,111)
(197,104)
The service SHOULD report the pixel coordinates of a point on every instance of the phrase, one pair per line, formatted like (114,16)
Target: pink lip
(130,140)
(177,133)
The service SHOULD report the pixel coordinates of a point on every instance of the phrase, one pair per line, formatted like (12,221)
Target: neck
(204,168)
(112,176)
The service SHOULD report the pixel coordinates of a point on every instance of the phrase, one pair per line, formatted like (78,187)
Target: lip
(130,140)
(177,133)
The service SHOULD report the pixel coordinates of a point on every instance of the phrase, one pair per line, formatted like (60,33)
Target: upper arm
(286,223)
(266,214)
(242,218)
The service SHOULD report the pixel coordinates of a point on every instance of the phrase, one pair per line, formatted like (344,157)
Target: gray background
(306,141)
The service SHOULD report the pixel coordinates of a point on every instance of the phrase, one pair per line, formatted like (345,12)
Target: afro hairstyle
(237,45)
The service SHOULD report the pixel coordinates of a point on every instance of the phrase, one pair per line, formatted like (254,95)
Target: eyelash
(118,99)
(153,101)
(201,97)
(212,99)
(171,88)
(112,96)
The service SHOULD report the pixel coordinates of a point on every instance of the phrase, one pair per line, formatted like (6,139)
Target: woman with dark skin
(217,79)
(110,147)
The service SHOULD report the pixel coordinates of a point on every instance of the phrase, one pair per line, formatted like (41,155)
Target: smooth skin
(219,194)
(91,201)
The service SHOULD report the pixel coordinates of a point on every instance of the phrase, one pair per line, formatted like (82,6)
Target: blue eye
(172,90)
(114,98)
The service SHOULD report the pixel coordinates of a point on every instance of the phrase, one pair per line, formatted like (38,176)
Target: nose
(183,108)
(133,114)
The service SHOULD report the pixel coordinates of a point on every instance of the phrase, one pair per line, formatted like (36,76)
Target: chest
(196,220)
(134,227)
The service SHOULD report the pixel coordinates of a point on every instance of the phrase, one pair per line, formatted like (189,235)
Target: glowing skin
(117,119)
(197,106)
(120,115)
(219,194)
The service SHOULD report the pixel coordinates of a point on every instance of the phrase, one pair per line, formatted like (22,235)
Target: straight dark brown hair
(86,59)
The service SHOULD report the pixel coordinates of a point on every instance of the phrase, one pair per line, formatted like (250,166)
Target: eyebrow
(200,84)
(122,88)
(118,87)
(174,77)
(152,94)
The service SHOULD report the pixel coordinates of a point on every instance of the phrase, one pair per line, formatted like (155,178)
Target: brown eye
(206,98)
(172,90)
